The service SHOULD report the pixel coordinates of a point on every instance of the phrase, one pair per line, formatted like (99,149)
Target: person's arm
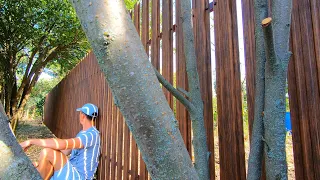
(66,152)
(54,143)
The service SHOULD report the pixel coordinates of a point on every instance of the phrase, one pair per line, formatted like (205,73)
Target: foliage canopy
(36,35)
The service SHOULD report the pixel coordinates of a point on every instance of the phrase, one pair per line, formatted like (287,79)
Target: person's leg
(35,164)
(49,161)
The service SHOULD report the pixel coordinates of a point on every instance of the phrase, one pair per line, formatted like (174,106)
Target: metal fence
(159,25)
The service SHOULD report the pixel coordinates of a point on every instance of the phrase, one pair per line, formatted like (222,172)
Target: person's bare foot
(35,164)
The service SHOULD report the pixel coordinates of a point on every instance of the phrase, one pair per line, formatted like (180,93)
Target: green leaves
(130,3)
(34,35)
(39,93)
(42,25)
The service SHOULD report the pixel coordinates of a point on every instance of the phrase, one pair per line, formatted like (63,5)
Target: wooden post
(167,47)
(231,147)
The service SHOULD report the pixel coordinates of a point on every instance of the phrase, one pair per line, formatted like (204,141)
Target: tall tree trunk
(200,147)
(7,99)
(256,147)
(18,102)
(15,165)
(135,88)
(18,113)
(2,95)
(13,105)
(9,80)
(276,35)
(272,42)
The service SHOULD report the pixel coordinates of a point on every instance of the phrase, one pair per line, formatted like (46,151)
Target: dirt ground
(35,129)
(32,129)
(289,151)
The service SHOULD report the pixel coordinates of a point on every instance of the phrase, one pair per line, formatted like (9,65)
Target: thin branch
(174,91)
(18,60)
(51,55)
(44,58)
(25,79)
(28,89)
(186,93)
(28,75)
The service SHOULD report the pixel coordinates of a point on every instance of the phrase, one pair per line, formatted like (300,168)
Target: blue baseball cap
(89,109)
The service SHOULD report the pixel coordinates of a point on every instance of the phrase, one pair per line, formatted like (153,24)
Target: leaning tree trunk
(7,99)
(18,111)
(18,102)
(17,115)
(276,34)
(2,94)
(256,146)
(135,88)
(15,165)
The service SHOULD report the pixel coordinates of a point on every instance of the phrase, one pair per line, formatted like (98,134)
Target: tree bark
(19,96)
(200,147)
(256,146)
(19,108)
(276,35)
(135,88)
(15,165)
(8,92)
(2,91)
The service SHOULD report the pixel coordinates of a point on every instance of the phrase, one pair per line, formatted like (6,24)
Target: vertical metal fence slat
(231,146)
(109,121)
(134,159)
(136,17)
(155,40)
(145,25)
(201,27)
(120,146)
(167,47)
(114,140)
(250,56)
(126,159)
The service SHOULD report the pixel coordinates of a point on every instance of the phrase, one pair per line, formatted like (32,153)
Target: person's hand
(25,145)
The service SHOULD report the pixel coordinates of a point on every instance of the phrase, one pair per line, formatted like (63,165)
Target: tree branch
(28,75)
(186,93)
(256,144)
(25,79)
(18,60)
(197,117)
(44,58)
(281,17)
(34,74)
(52,53)
(268,39)
(174,91)
(28,89)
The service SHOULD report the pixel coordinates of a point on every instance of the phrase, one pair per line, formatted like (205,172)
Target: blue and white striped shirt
(85,160)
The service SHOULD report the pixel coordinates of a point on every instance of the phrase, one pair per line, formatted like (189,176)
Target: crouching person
(53,162)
